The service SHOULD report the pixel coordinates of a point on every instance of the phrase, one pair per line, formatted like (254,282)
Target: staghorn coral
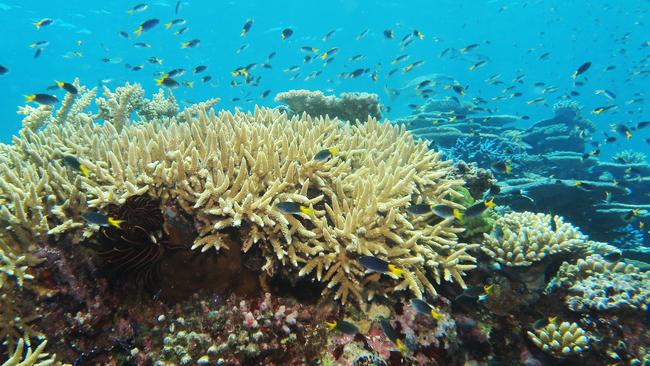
(228,171)
(350,107)
(523,238)
(561,340)
(12,267)
(29,357)
(629,157)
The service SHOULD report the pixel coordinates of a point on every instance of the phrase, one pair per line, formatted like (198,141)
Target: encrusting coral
(561,340)
(523,238)
(228,171)
(351,107)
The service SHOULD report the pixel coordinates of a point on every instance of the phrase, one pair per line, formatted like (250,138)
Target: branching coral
(350,107)
(561,340)
(29,357)
(522,238)
(228,171)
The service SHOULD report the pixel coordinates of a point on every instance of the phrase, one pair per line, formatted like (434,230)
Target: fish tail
(59,83)
(138,31)
(37,25)
(331,325)
(398,272)
(323,56)
(243,34)
(131,11)
(168,25)
(184,44)
(334,151)
(508,169)
(84,170)
(29,98)
(490,203)
(159,81)
(115,222)
(307,210)
(458,214)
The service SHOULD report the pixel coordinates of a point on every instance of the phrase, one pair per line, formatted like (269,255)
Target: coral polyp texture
(523,238)
(561,340)
(596,284)
(350,107)
(228,171)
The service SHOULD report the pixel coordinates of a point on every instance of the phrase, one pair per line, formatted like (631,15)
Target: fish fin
(138,31)
(115,222)
(184,44)
(396,271)
(307,210)
(84,170)
(59,83)
(490,203)
(168,25)
(334,151)
(331,325)
(458,214)
(29,98)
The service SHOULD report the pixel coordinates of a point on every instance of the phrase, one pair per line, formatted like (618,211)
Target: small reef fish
(328,35)
(362,35)
(39,44)
(181,31)
(595,152)
(623,130)
(502,167)
(247,27)
(43,23)
(487,290)
(426,309)
(631,214)
(458,89)
(176,72)
(286,33)
(142,45)
(155,60)
(379,265)
(477,65)
(325,154)
(399,59)
(392,334)
(265,93)
(445,212)
(74,163)
(200,68)
(581,70)
(168,82)
(147,25)
(389,34)
(468,48)
(66,86)
(101,219)
(291,208)
(175,22)
(419,209)
(38,52)
(418,34)
(343,327)
(3,70)
(329,53)
(584,185)
(191,44)
(608,94)
(536,101)
(478,208)
(138,9)
(602,109)
(43,99)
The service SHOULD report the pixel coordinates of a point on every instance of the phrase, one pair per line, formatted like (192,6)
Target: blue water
(511,35)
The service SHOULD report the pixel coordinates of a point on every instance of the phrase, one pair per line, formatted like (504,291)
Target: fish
(3,70)
(181,31)
(502,167)
(39,44)
(147,25)
(419,209)
(325,154)
(200,68)
(581,70)
(343,327)
(97,218)
(362,35)
(411,66)
(610,95)
(468,48)
(42,99)
(544,56)
(329,53)
(328,35)
(478,208)
(445,212)
(247,27)
(631,214)
(265,93)
(392,334)
(584,185)
(176,72)
(623,130)
(487,289)
(426,309)
(418,34)
(642,124)
(66,86)
(142,45)
(138,9)
(174,22)
(43,23)
(309,49)
(191,44)
(379,265)
(155,60)
(74,163)
(167,81)
(286,33)
(356,58)
(591,153)
(205,79)
(399,59)
(289,207)
(241,49)
(38,52)
(536,101)
(477,65)
(189,84)
(178,7)
(458,89)
(602,109)
(389,34)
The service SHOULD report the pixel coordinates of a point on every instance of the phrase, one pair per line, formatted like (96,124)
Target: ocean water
(511,35)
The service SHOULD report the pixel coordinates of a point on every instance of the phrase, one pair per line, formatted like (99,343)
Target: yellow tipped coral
(561,340)
(228,171)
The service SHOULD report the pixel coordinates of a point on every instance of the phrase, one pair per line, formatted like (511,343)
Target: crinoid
(137,246)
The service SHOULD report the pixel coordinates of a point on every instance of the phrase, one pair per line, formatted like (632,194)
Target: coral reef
(562,339)
(630,157)
(351,107)
(24,355)
(523,238)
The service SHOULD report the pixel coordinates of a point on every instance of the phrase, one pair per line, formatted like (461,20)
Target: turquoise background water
(511,34)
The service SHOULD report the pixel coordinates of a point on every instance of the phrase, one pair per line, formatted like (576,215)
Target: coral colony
(135,233)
